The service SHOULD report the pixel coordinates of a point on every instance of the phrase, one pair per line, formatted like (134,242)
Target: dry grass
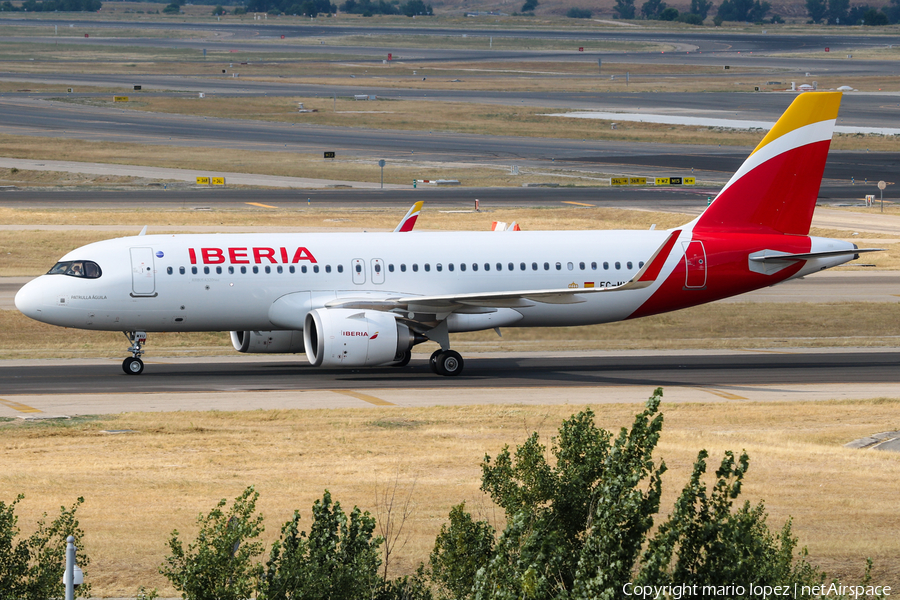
(711,326)
(140,486)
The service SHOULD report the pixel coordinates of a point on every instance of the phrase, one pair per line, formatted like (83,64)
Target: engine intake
(353,338)
(267,342)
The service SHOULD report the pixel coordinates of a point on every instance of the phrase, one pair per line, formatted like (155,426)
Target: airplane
(365,299)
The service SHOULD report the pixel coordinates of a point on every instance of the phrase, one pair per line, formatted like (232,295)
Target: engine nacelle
(268,342)
(343,337)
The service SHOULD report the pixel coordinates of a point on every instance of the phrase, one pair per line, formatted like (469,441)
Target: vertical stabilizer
(776,189)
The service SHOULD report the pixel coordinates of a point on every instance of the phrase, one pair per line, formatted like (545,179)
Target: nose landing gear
(133,365)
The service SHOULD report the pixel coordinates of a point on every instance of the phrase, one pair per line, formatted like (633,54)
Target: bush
(219,564)
(690,19)
(339,558)
(668,14)
(579,13)
(33,568)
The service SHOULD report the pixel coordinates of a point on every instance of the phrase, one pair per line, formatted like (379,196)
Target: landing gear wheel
(133,366)
(407,356)
(449,363)
(432,362)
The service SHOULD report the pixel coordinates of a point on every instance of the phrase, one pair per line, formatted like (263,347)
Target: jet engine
(355,338)
(267,342)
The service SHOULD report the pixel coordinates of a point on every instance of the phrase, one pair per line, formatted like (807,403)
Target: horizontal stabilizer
(812,255)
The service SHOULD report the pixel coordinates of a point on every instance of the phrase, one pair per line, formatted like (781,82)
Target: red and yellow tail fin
(776,189)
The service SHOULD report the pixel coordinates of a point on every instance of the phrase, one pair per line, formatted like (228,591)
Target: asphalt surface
(645,370)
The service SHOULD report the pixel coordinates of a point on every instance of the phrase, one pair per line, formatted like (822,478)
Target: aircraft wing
(518,298)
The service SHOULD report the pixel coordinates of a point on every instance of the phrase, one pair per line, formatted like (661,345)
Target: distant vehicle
(365,299)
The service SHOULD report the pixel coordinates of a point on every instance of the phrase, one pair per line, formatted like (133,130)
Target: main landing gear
(446,362)
(133,365)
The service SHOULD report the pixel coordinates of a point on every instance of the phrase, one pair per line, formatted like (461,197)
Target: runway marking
(364,397)
(261,205)
(721,394)
(578,203)
(19,406)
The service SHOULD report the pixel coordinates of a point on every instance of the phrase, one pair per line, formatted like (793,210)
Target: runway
(50,388)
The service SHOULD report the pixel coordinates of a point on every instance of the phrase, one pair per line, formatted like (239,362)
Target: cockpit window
(76,268)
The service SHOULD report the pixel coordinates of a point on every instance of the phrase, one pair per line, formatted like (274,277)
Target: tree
(585,507)
(339,558)
(701,7)
(32,568)
(838,11)
(817,10)
(462,548)
(743,10)
(875,18)
(651,9)
(529,5)
(705,542)
(219,564)
(893,11)
(624,9)
(219,10)
(416,7)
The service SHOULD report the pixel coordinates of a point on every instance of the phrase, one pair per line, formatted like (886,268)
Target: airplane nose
(29,299)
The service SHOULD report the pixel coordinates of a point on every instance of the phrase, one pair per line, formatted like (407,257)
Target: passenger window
(303,269)
(341,268)
(218,270)
(558,267)
(231,270)
(487,266)
(193,270)
(315,268)
(462,266)
(593,266)
(628,264)
(415,267)
(521,266)
(378,267)
(641,265)
(328,268)
(358,268)
(427,267)
(268,269)
(292,269)
(499,267)
(391,267)
(534,266)
(618,265)
(474,266)
(181,270)
(402,268)
(450,267)
(169,270)
(279,269)
(243,270)
(439,267)
(255,270)
(511,267)
(206,270)
(606,266)
(581,266)
(570,266)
